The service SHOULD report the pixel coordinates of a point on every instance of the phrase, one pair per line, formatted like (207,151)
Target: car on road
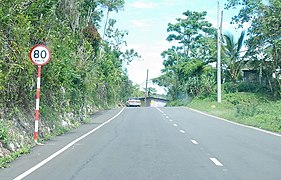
(133,102)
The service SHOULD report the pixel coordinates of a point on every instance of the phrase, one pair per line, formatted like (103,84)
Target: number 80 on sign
(40,55)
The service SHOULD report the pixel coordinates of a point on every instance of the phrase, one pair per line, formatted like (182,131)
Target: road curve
(152,143)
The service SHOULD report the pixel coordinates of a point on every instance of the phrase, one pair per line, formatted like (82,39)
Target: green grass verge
(246,108)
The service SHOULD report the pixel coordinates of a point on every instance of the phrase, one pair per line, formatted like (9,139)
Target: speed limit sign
(40,55)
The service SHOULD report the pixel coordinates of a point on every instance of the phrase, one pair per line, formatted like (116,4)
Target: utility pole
(146,93)
(220,19)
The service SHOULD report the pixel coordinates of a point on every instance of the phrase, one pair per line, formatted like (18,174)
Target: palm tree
(232,53)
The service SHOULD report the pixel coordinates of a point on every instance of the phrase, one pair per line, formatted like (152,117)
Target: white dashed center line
(194,142)
(160,110)
(216,162)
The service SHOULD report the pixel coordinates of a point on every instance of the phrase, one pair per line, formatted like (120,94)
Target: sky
(147,22)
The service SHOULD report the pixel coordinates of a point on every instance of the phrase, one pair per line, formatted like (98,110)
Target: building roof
(155,98)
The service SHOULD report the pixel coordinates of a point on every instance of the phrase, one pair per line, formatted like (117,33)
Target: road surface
(156,144)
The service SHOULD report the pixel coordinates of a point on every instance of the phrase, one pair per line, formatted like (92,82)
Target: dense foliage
(86,71)
(249,64)
(263,42)
(187,70)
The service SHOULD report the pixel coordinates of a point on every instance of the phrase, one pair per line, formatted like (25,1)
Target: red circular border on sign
(40,45)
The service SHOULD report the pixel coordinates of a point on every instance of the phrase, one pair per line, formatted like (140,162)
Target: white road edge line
(34,168)
(175,125)
(194,142)
(235,123)
(182,131)
(216,162)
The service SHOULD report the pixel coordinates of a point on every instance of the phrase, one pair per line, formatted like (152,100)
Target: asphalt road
(152,143)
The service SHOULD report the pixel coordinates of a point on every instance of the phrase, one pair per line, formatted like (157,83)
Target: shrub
(3,133)
(246,110)
(179,102)
(249,87)
(230,87)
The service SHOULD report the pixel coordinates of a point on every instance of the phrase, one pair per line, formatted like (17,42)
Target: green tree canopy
(185,64)
(263,43)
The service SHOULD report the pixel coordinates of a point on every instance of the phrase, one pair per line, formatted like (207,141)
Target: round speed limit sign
(40,55)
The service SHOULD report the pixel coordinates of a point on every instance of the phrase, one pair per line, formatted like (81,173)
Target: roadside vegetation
(251,61)
(244,108)
(86,72)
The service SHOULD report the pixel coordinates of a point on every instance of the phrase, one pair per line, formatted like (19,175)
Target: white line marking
(167,117)
(194,142)
(182,131)
(34,168)
(160,110)
(216,162)
(242,125)
(175,125)
(170,120)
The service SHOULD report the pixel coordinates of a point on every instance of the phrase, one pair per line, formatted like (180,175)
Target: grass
(245,108)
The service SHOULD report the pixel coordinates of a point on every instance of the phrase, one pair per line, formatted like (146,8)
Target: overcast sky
(147,22)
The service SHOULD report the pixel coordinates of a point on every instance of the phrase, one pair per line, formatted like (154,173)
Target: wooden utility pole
(220,19)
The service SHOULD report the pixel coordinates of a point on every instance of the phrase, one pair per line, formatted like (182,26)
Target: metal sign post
(39,55)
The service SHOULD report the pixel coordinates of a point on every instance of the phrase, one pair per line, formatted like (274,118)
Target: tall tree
(111,5)
(110,69)
(264,41)
(192,33)
(186,65)
(170,78)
